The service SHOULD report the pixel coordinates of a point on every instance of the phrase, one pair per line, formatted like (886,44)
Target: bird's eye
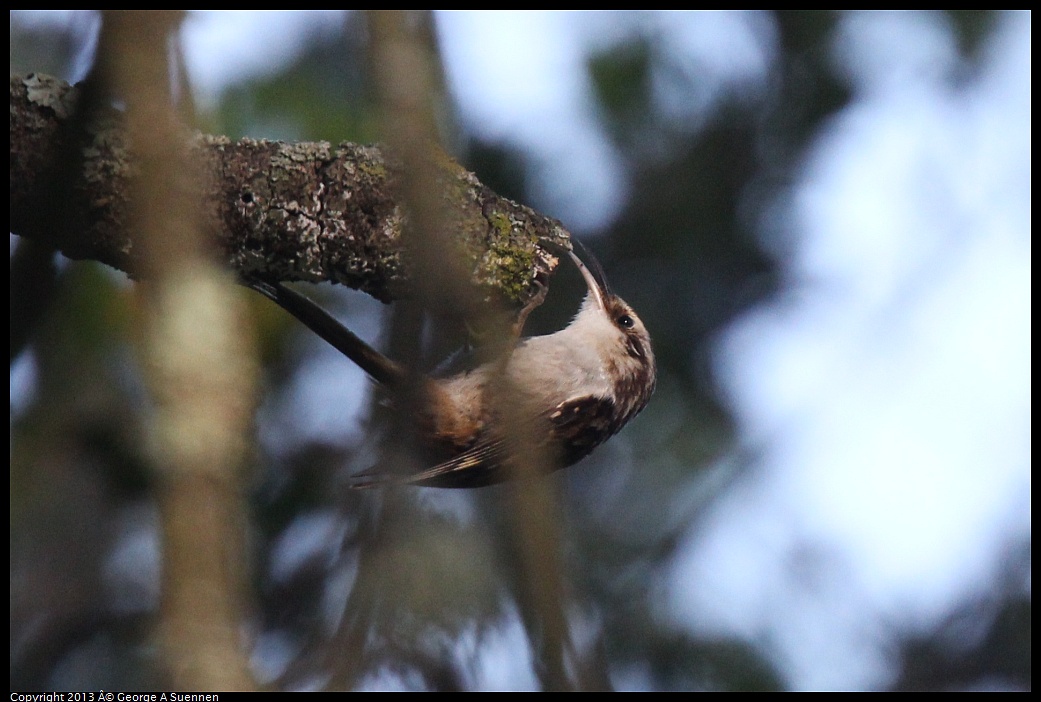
(625,321)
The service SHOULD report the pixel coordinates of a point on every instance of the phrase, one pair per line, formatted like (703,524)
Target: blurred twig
(406,69)
(198,365)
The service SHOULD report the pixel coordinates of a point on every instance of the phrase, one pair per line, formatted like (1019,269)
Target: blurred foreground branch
(199,367)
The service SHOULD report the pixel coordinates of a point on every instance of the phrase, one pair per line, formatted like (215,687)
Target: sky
(888,392)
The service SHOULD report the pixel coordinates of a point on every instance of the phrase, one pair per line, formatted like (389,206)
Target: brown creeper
(580,385)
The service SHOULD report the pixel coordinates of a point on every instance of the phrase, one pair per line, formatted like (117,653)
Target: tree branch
(301,211)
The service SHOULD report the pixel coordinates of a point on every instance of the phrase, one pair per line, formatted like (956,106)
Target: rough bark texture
(303,211)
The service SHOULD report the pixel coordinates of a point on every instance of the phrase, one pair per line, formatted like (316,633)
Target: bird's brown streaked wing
(576,426)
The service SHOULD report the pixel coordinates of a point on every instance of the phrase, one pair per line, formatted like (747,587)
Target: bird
(575,388)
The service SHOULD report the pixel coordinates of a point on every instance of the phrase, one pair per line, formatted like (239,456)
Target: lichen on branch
(289,211)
